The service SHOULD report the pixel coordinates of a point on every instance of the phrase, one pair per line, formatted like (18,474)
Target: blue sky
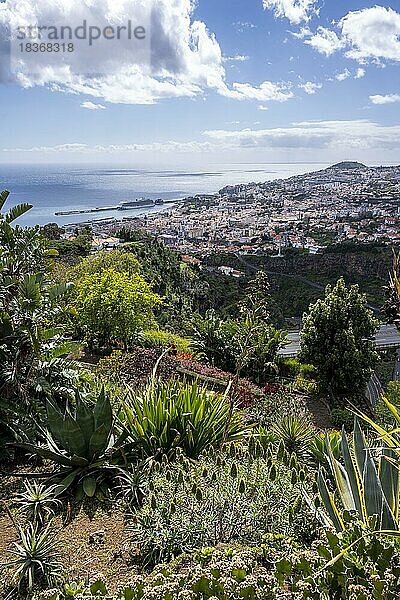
(254,80)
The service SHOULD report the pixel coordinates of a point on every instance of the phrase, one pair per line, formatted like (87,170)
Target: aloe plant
(38,502)
(80,441)
(37,558)
(366,487)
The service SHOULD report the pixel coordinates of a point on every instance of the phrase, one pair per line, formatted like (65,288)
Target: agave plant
(80,441)
(165,417)
(38,502)
(37,558)
(366,487)
(318,448)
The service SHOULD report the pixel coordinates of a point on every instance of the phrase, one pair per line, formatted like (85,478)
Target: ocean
(53,188)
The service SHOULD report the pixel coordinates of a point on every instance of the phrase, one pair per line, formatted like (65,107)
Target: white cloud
(370,34)
(186,58)
(325,41)
(265,92)
(360,73)
(236,58)
(388,99)
(333,135)
(295,11)
(344,75)
(76,148)
(302,33)
(92,105)
(242,26)
(262,107)
(336,137)
(310,87)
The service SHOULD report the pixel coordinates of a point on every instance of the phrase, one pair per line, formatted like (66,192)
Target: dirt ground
(89,545)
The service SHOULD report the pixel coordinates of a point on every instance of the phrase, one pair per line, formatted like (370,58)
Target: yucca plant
(37,558)
(366,487)
(38,502)
(296,435)
(80,440)
(165,417)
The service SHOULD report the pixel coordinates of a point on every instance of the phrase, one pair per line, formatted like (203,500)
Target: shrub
(165,417)
(384,415)
(113,306)
(136,367)
(341,417)
(248,346)
(365,487)
(305,385)
(356,564)
(324,443)
(157,338)
(29,307)
(308,371)
(218,500)
(289,367)
(221,573)
(337,338)
(277,405)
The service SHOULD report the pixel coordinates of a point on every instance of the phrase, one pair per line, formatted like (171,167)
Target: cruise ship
(137,203)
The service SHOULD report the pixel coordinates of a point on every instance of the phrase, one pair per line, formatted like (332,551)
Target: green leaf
(375,501)
(54,421)
(352,474)
(103,414)
(389,477)
(341,479)
(329,503)
(59,291)
(85,419)
(99,441)
(17,211)
(360,447)
(3,197)
(62,350)
(66,482)
(89,486)
(46,453)
(30,291)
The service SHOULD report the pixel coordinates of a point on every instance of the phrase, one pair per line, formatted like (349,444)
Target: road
(387,337)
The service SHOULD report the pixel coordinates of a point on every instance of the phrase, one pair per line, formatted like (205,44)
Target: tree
(118,260)
(337,338)
(392,305)
(112,306)
(51,231)
(247,346)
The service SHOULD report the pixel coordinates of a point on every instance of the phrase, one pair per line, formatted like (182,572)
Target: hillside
(347,165)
